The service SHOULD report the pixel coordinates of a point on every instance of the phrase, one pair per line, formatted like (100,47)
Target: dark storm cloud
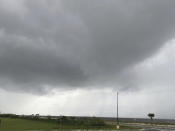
(79,43)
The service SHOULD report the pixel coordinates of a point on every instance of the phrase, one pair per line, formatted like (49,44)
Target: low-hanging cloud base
(75,44)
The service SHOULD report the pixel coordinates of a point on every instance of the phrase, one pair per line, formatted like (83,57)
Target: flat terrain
(12,124)
(17,124)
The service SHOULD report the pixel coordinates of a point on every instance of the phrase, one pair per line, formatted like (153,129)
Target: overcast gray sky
(70,57)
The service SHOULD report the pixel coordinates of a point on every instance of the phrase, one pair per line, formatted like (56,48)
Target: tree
(151,115)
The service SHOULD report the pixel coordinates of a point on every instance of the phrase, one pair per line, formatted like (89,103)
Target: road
(149,127)
(157,129)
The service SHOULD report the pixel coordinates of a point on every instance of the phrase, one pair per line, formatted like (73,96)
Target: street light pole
(117,108)
(118,127)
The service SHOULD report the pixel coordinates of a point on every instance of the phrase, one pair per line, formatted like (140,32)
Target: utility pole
(117,109)
(118,127)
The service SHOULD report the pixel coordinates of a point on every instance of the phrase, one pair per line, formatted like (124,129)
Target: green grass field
(17,124)
(13,124)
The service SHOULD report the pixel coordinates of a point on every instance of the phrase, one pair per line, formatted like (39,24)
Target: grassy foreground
(17,124)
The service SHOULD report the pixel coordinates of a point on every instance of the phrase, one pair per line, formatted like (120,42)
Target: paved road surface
(148,127)
(156,129)
(160,129)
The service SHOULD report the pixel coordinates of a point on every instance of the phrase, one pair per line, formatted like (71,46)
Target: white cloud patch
(158,70)
(92,103)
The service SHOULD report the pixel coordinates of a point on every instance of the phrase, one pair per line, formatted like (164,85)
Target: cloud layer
(50,44)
